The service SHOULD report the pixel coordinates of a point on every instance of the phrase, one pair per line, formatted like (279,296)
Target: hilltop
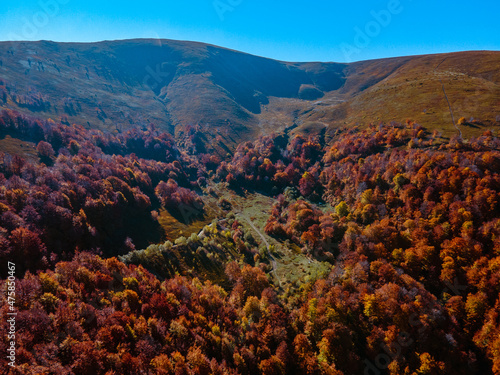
(178,86)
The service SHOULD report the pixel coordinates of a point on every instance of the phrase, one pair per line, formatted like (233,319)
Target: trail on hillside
(274,264)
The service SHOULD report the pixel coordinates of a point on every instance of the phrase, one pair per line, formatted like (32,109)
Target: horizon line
(240,51)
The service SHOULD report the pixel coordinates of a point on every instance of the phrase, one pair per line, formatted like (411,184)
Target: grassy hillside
(117,85)
(411,87)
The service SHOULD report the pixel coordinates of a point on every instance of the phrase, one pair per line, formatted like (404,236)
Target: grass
(238,96)
(413,91)
(174,228)
(15,146)
(292,267)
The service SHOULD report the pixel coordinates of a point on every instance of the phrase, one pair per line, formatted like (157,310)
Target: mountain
(116,85)
(365,250)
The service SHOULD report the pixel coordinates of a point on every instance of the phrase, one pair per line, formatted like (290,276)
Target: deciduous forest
(403,223)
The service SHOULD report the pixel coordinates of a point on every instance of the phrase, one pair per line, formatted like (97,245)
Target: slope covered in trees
(97,192)
(409,226)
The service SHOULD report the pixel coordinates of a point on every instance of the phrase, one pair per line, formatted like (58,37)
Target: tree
(342,209)
(254,281)
(45,150)
(27,248)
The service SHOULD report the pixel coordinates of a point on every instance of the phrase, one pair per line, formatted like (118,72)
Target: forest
(407,221)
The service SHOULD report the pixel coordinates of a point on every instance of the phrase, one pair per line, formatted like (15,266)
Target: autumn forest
(403,224)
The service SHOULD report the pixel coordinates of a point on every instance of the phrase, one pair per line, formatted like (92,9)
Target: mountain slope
(115,85)
(412,87)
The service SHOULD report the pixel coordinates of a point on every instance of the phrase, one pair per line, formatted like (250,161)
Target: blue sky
(286,30)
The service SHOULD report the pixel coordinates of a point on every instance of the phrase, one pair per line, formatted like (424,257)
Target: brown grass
(237,96)
(15,146)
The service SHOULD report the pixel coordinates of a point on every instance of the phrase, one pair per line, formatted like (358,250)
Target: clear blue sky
(286,30)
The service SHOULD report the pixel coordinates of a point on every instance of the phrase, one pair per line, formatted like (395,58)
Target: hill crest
(234,96)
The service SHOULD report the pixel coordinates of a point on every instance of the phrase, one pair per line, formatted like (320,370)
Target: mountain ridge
(177,85)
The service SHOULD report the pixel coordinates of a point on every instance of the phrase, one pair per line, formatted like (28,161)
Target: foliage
(412,230)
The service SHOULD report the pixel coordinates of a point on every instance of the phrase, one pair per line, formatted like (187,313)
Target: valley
(180,208)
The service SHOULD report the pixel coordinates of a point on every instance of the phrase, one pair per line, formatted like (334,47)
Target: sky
(285,30)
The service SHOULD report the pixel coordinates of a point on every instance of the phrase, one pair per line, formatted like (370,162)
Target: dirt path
(274,264)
